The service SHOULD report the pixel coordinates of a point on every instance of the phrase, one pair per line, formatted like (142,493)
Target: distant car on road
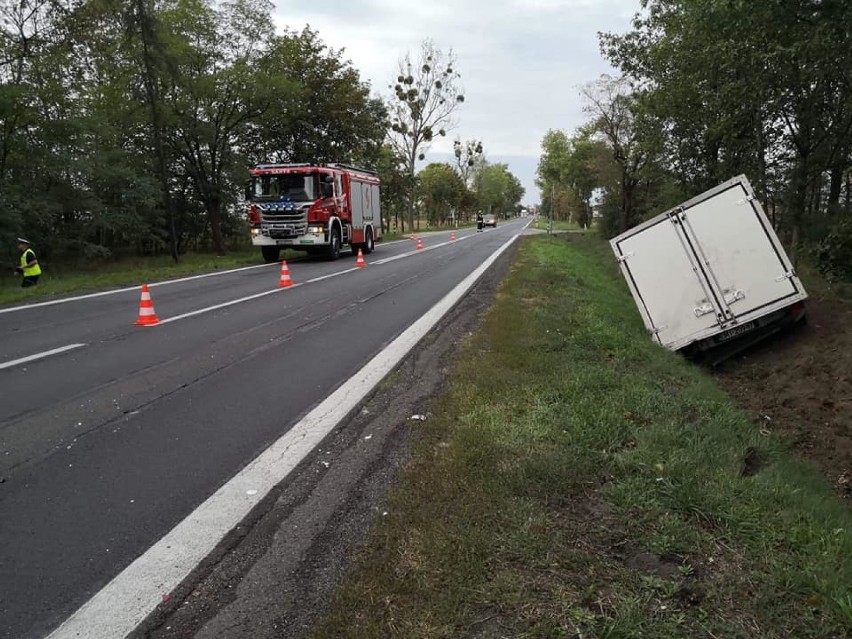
(490,220)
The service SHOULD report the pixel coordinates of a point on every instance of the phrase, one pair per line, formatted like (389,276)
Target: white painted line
(224,305)
(77,298)
(419,252)
(252,297)
(31,358)
(132,595)
(189,278)
(277,290)
(310,281)
(335,274)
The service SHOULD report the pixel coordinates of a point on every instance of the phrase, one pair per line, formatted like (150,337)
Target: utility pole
(552,205)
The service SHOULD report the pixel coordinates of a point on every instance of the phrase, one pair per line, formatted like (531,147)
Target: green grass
(577,481)
(816,285)
(390,236)
(542,223)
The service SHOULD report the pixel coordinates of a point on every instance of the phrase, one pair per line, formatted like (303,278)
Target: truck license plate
(736,331)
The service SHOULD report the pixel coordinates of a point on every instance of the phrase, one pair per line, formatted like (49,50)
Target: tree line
(708,90)
(128,126)
(423,105)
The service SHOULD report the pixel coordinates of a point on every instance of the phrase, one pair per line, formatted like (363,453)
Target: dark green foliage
(128,127)
(440,191)
(760,88)
(496,189)
(834,253)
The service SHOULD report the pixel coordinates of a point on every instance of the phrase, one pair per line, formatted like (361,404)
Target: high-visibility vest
(29,271)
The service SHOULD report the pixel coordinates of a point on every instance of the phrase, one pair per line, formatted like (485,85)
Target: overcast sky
(522,62)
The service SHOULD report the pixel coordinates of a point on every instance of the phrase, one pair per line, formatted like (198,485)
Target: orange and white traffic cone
(285,280)
(411,237)
(453,236)
(360,263)
(419,244)
(147,316)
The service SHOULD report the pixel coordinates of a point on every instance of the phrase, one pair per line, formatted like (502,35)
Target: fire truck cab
(314,208)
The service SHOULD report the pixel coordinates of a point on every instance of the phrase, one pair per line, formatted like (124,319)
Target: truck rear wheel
(334,244)
(369,244)
(271,253)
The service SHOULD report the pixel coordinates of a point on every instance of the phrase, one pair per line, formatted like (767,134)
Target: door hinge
(623,258)
(787,276)
(678,215)
(745,200)
(732,296)
(703,309)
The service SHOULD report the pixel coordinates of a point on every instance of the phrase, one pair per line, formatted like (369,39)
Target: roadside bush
(834,252)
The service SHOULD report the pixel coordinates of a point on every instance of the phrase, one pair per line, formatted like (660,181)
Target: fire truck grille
(284,223)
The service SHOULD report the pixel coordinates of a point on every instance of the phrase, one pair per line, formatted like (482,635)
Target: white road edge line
(31,358)
(133,594)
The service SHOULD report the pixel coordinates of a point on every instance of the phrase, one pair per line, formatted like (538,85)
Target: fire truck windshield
(296,187)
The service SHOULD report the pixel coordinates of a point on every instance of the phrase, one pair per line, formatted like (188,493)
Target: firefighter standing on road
(29,267)
(479,220)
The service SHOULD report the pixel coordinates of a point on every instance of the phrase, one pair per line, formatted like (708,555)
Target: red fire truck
(316,208)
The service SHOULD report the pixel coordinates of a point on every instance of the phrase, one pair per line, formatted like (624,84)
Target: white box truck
(710,276)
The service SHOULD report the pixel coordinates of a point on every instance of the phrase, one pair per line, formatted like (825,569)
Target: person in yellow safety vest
(29,267)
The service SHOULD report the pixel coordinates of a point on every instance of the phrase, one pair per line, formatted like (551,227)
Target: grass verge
(574,480)
(541,223)
(58,280)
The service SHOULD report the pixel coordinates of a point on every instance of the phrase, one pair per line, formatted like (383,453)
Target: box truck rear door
(745,260)
(666,282)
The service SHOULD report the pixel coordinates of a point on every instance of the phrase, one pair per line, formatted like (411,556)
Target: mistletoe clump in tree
(425,98)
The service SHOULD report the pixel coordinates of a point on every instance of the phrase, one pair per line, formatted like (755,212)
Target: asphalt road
(105,447)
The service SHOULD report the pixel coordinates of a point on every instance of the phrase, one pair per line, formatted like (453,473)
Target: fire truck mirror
(248,191)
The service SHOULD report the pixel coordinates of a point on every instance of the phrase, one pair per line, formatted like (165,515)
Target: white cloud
(522,61)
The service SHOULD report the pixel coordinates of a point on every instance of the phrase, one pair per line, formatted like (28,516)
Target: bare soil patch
(800,385)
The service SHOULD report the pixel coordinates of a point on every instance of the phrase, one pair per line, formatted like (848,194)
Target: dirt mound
(800,385)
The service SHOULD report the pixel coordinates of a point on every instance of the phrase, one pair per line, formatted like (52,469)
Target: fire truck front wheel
(369,244)
(334,244)
(270,253)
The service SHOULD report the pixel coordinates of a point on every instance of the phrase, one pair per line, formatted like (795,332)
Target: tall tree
(156,69)
(497,189)
(327,115)
(29,37)
(757,88)
(572,169)
(552,174)
(397,184)
(610,103)
(440,190)
(220,91)
(426,96)
(469,156)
